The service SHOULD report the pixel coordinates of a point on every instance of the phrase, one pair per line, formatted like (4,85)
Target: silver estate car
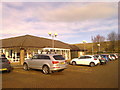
(48,63)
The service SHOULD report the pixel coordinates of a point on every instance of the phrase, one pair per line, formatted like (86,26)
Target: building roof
(75,48)
(34,41)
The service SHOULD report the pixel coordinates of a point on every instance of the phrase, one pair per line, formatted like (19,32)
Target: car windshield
(58,57)
(112,55)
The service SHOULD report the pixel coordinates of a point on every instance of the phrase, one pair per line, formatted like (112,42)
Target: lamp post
(53,36)
(98,46)
(84,44)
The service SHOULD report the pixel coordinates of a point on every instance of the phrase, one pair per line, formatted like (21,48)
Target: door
(81,60)
(87,60)
(42,60)
(32,62)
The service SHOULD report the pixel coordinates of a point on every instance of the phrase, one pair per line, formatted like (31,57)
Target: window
(43,57)
(82,57)
(35,57)
(87,57)
(58,57)
(96,56)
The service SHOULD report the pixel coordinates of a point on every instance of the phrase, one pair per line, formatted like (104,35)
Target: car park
(48,63)
(5,64)
(85,60)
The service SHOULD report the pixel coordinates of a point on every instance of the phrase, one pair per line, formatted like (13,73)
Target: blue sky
(73,21)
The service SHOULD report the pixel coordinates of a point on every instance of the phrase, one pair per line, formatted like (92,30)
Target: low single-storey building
(17,49)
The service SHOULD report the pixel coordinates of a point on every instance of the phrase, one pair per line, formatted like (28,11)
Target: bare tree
(98,38)
(96,42)
(112,37)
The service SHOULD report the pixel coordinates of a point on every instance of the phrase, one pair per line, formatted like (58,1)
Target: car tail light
(102,58)
(55,62)
(8,62)
(95,59)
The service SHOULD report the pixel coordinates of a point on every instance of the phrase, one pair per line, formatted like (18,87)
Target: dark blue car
(106,57)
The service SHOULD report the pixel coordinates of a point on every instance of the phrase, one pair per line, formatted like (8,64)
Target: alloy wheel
(46,70)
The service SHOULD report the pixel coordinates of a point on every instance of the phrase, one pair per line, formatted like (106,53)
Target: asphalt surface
(101,76)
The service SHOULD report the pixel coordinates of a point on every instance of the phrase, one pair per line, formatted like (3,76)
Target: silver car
(46,62)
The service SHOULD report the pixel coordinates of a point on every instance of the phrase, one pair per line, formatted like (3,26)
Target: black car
(5,64)
(101,59)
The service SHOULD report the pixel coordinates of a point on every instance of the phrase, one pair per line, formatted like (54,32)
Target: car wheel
(92,64)
(73,63)
(25,67)
(101,63)
(8,71)
(46,70)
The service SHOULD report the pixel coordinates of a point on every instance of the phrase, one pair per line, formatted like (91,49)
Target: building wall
(76,54)
(15,54)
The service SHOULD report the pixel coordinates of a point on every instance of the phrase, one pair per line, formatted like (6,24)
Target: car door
(81,60)
(42,60)
(87,60)
(32,62)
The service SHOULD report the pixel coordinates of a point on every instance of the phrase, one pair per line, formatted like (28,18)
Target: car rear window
(96,56)
(103,55)
(58,57)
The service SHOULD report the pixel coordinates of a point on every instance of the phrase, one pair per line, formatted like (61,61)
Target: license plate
(62,62)
(103,61)
(3,69)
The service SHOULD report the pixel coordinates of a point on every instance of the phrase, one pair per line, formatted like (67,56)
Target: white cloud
(67,20)
(67,13)
(73,13)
